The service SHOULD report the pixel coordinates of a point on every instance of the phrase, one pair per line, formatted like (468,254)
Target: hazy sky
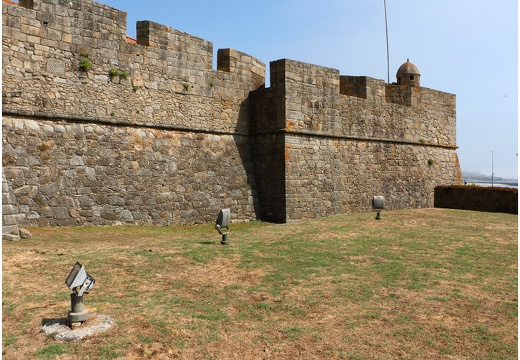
(465,47)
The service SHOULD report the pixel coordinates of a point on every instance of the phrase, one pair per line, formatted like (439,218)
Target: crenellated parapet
(73,58)
(78,20)
(237,62)
(198,52)
(362,87)
(318,100)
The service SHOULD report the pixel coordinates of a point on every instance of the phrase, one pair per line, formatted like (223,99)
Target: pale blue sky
(464,47)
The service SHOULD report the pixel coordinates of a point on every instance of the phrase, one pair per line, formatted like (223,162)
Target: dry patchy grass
(420,284)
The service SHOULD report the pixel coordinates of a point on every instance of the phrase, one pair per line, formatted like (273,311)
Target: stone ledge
(112,122)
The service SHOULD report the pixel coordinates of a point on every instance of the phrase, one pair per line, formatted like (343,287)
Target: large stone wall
(166,144)
(149,133)
(73,174)
(10,212)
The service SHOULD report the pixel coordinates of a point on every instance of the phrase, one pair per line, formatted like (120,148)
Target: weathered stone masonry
(338,141)
(151,134)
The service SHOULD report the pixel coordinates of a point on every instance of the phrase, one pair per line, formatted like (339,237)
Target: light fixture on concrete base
(378,204)
(222,225)
(79,282)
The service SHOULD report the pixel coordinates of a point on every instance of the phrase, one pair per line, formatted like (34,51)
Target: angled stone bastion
(101,129)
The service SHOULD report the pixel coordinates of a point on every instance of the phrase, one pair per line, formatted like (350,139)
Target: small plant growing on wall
(113,72)
(186,86)
(422,140)
(135,88)
(431,162)
(84,63)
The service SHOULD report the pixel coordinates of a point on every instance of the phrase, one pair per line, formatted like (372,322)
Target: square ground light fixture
(378,204)
(222,224)
(79,282)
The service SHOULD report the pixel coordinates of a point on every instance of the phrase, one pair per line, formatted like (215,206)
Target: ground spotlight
(79,282)
(222,224)
(378,204)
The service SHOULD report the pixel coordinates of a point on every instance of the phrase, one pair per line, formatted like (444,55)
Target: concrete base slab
(61,332)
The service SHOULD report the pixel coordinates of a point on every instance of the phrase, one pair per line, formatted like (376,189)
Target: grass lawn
(419,284)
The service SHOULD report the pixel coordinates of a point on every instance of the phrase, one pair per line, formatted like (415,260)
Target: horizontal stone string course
(115,122)
(101,130)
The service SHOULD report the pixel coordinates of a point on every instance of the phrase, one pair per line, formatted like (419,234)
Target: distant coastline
(494,184)
(475,178)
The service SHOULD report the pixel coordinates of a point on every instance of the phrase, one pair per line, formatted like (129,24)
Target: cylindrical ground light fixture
(77,311)
(224,240)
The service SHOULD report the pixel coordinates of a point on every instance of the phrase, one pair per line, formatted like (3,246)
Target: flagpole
(387,50)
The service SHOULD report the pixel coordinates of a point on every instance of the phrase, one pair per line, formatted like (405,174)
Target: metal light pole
(492,173)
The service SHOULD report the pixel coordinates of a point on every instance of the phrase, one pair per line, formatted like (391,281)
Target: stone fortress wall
(340,140)
(99,129)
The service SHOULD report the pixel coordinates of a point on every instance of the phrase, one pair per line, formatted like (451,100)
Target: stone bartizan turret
(408,75)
